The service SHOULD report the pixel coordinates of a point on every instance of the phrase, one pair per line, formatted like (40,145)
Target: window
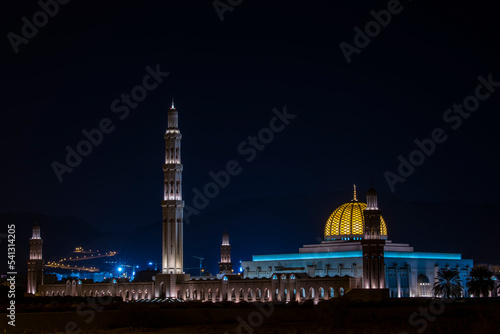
(275,277)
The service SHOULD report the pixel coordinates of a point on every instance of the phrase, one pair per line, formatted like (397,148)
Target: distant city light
(120,269)
(137,266)
(150,263)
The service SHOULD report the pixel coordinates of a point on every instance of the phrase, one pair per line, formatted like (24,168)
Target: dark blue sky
(353,120)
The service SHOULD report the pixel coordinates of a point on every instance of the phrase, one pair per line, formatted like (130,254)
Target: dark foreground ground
(336,316)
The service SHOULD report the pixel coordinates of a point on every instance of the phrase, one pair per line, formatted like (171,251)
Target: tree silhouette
(480,281)
(448,284)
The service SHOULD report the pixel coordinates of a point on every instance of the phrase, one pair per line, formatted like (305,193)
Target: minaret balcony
(172,203)
(172,167)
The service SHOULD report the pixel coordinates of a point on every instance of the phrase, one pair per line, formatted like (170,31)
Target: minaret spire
(173,106)
(354,199)
(373,244)
(35,261)
(225,264)
(172,204)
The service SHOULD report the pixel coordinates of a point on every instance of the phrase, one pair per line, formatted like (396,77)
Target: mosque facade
(355,257)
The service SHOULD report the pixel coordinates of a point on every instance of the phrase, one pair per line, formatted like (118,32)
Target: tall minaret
(225,264)
(373,245)
(172,204)
(35,262)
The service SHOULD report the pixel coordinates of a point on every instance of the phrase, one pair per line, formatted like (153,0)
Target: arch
(283,277)
(209,294)
(302,293)
(294,295)
(161,293)
(178,293)
(321,293)
(266,294)
(195,294)
(249,294)
(423,286)
(311,292)
(187,294)
(233,294)
(341,291)
(217,294)
(139,294)
(146,294)
(240,294)
(127,295)
(202,294)
(332,292)
(258,294)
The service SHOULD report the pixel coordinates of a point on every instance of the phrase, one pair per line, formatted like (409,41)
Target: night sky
(353,120)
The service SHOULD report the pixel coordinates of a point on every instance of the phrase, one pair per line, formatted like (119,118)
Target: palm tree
(448,284)
(480,281)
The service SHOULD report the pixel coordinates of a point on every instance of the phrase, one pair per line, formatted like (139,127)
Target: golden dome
(347,222)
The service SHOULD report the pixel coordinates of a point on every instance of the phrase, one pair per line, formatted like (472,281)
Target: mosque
(355,258)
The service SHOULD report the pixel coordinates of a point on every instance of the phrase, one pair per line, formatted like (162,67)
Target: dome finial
(173,107)
(354,199)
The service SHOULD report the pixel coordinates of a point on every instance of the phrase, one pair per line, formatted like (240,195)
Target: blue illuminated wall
(356,254)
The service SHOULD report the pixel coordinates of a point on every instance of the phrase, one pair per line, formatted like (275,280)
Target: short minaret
(172,204)
(225,264)
(35,262)
(373,245)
